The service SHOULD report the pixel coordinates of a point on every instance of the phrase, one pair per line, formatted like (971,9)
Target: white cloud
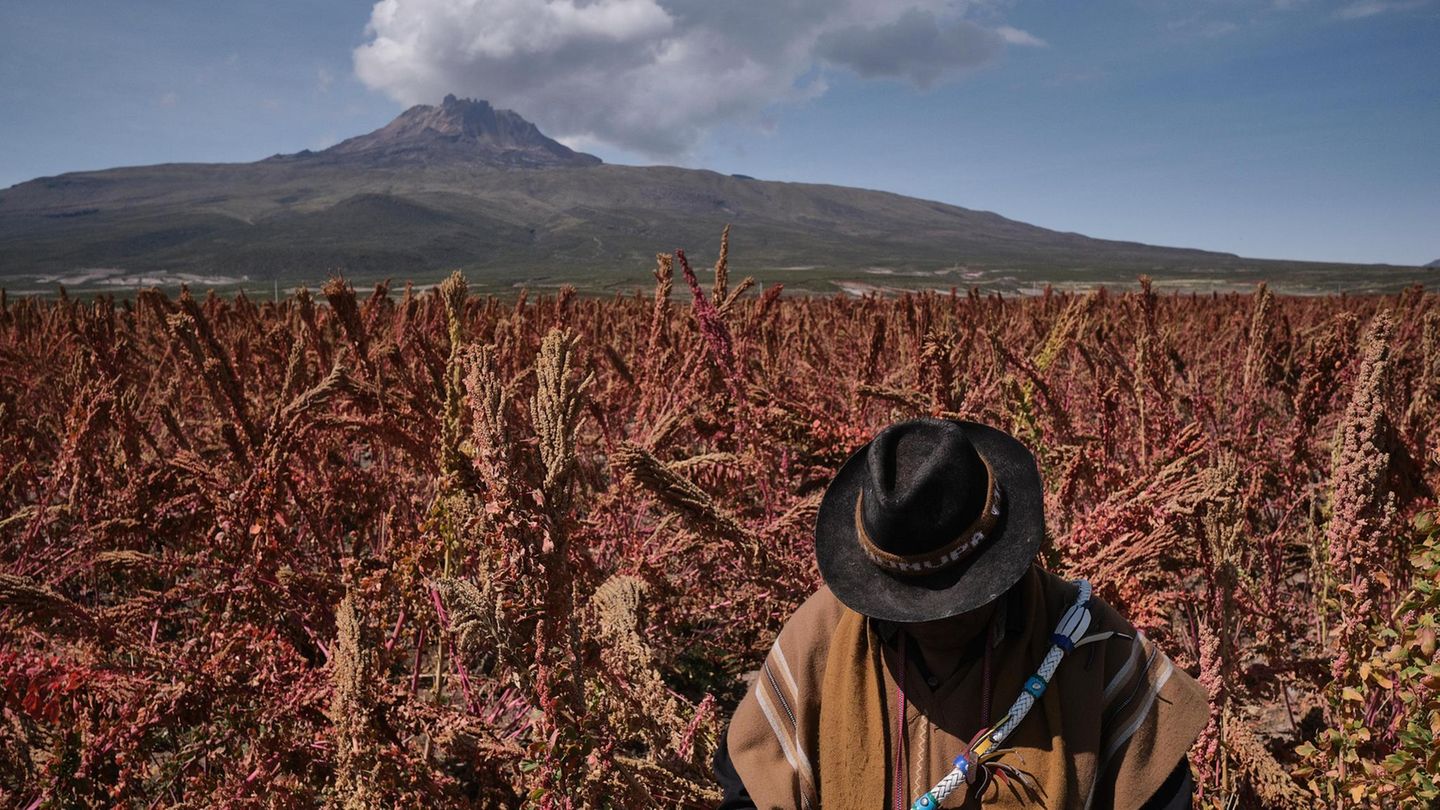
(1369,8)
(652,76)
(1015,36)
(917,46)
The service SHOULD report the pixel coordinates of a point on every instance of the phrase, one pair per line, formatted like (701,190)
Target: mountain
(1435,263)
(465,185)
(457,131)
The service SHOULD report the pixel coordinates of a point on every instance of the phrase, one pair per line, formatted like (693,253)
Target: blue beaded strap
(1069,632)
(963,764)
(1035,685)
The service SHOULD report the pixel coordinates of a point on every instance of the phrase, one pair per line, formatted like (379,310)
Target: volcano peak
(460,130)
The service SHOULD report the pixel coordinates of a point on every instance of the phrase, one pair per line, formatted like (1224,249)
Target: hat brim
(866,588)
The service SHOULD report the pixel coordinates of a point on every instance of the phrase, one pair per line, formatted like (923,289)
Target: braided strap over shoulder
(1069,634)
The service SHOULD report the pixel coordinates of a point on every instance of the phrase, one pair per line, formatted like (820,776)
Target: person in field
(941,666)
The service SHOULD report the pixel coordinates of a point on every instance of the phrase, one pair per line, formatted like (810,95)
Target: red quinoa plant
(436,549)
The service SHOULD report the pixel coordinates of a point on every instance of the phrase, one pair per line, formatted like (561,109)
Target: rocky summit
(458,130)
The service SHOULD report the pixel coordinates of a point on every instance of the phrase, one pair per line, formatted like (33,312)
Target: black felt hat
(929,519)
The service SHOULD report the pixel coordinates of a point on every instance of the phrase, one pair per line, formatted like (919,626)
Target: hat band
(965,544)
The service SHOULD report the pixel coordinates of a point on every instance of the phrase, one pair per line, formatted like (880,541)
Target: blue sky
(1305,129)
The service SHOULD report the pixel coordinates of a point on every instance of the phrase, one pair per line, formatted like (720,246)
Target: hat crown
(925,483)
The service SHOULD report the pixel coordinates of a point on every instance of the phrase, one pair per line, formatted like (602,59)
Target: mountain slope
(464,185)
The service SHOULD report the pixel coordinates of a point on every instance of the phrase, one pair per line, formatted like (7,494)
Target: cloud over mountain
(652,76)
(916,46)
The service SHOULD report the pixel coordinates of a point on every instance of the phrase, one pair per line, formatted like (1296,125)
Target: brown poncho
(817,725)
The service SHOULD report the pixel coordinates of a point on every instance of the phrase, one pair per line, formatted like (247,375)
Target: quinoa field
(392,548)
